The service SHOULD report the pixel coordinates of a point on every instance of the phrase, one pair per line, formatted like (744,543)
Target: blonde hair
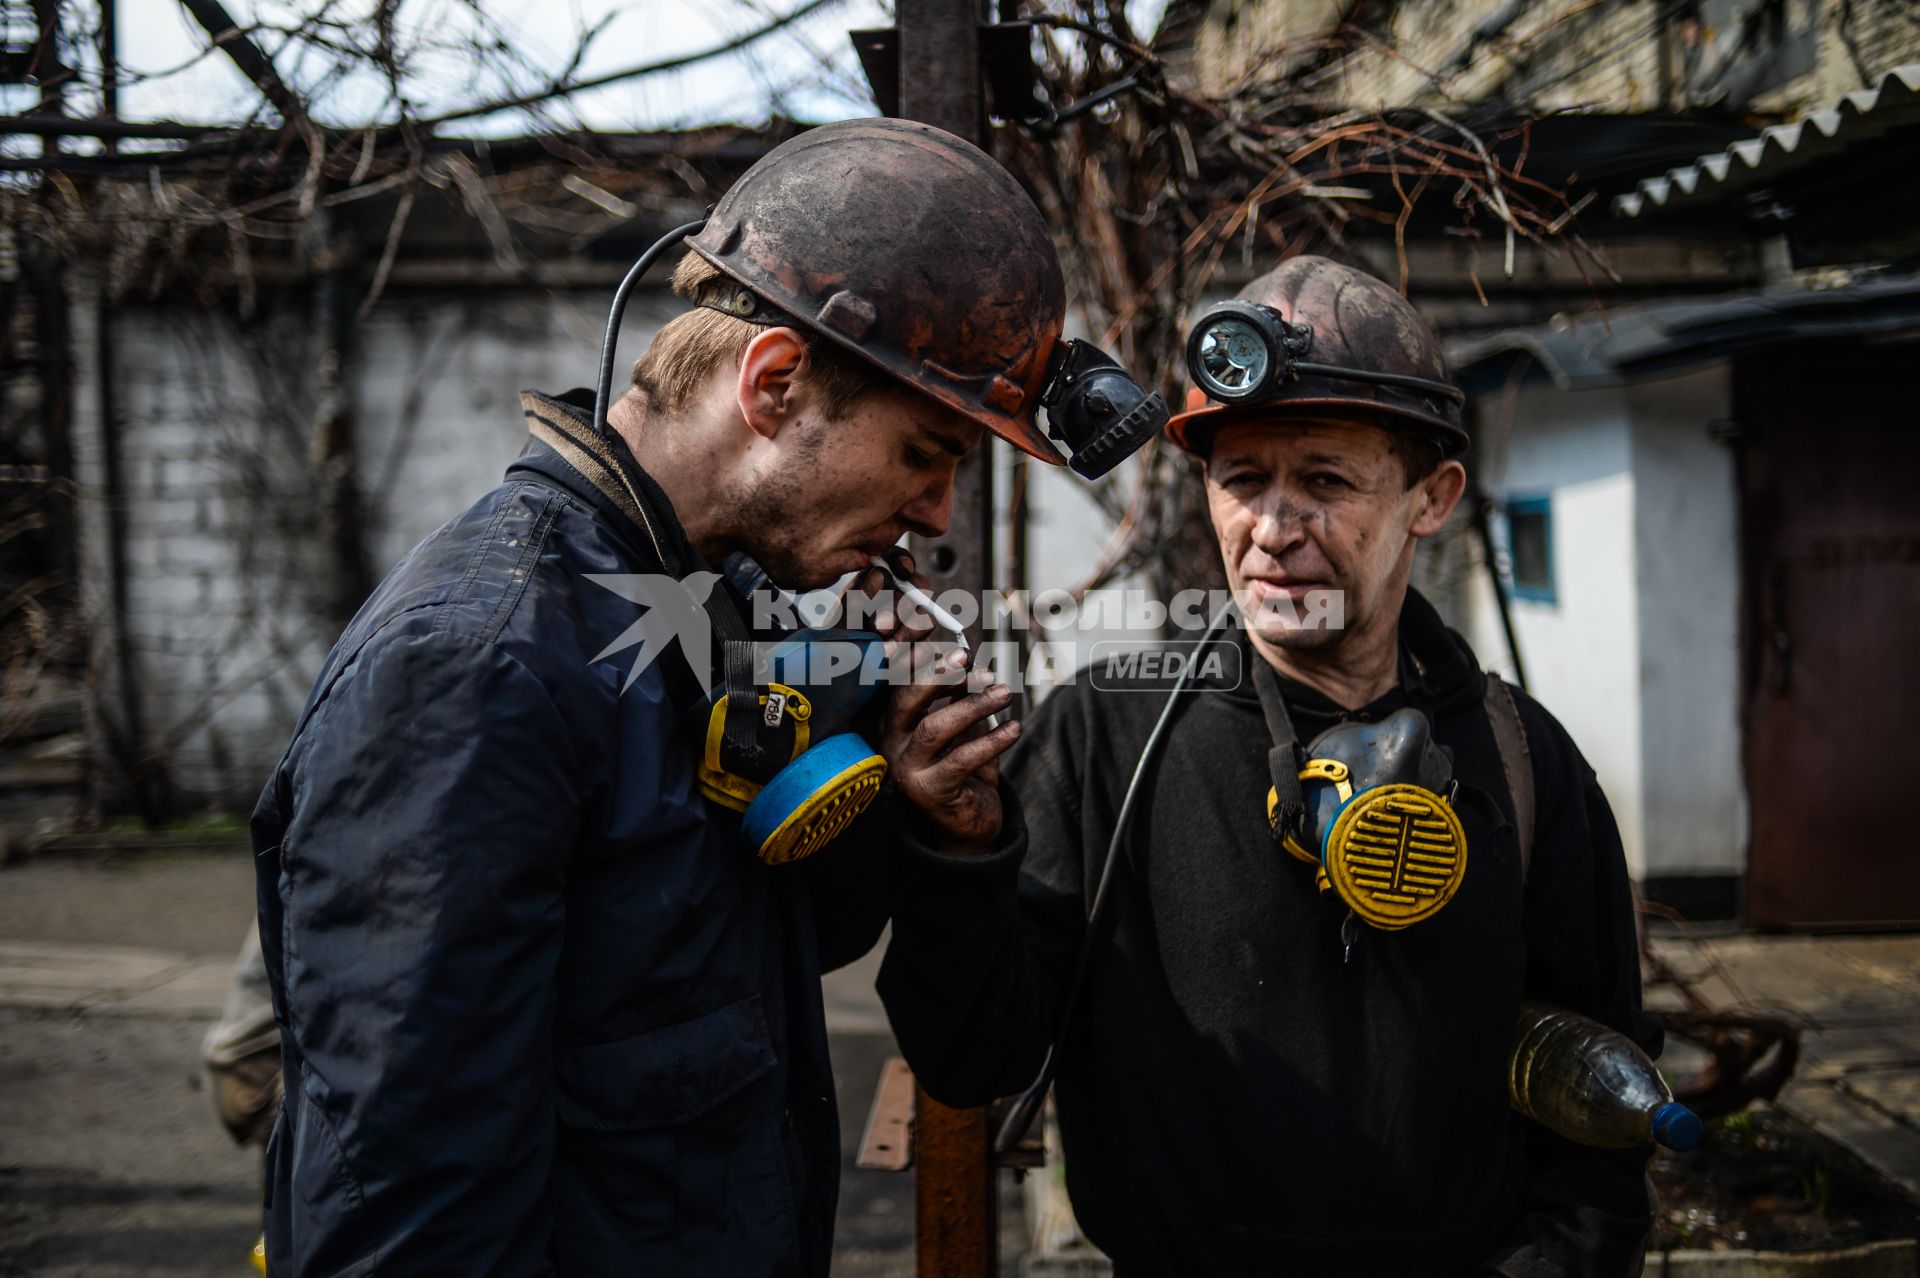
(689,348)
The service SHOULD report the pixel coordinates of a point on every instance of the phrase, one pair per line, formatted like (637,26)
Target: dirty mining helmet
(916,251)
(1316,338)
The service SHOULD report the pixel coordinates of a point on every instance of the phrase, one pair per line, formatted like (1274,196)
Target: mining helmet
(1313,335)
(918,252)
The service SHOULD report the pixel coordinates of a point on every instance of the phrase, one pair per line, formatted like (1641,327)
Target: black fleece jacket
(1233,1097)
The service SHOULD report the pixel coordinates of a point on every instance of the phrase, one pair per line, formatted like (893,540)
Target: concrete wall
(438,395)
(221,584)
(1638,654)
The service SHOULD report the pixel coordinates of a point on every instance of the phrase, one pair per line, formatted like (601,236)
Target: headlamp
(1239,352)
(1244,353)
(1096,408)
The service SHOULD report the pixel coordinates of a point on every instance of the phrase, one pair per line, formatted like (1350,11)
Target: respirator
(1375,819)
(793,766)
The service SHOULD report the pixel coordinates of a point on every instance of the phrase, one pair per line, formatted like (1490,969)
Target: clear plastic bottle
(1576,1077)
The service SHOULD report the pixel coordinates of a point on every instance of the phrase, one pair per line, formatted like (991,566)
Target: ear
(771,370)
(1436,497)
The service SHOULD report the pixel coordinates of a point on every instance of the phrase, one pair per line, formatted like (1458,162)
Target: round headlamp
(1239,351)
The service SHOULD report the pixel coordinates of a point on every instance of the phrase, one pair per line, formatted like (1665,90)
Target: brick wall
(1553,55)
(230,574)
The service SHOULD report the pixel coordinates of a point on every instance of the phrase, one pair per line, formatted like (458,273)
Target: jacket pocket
(670,1158)
(668,1076)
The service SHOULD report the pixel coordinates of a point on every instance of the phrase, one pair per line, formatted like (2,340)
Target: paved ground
(1859,1000)
(111,1163)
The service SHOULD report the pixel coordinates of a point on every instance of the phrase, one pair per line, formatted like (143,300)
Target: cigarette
(941,617)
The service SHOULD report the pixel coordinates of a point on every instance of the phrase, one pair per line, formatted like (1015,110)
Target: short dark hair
(1419,456)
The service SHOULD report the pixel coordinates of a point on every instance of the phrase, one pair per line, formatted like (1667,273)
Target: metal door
(1830,507)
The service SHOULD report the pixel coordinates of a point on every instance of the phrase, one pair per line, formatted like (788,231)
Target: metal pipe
(1482,523)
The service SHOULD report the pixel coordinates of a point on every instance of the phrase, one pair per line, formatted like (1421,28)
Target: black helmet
(1314,334)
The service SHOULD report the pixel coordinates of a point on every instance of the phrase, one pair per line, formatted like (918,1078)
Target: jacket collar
(1438,672)
(599,469)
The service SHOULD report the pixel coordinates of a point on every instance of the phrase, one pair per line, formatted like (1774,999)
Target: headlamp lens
(1232,358)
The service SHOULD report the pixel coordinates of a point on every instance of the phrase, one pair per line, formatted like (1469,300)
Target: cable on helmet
(603,389)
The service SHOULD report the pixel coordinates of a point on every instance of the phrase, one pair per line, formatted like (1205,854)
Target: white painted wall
(1581,651)
(222,566)
(1638,655)
(1688,555)
(438,387)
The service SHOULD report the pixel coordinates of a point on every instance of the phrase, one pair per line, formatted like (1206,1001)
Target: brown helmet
(910,247)
(1338,338)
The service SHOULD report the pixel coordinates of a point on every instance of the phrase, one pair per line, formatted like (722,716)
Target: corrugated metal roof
(1861,117)
(1640,341)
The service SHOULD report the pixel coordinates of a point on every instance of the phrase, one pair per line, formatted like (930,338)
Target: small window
(1530,548)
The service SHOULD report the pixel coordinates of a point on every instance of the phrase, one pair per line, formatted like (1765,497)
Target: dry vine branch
(1149,196)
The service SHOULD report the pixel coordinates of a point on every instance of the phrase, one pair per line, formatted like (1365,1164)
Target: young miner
(542,1007)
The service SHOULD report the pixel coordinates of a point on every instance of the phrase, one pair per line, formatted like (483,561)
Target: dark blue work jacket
(541,1009)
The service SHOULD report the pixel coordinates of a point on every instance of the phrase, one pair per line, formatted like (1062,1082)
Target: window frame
(1538,504)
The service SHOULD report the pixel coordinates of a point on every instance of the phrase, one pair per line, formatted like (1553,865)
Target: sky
(784,71)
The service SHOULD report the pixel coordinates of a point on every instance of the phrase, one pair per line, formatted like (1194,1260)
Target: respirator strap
(740,749)
(1283,758)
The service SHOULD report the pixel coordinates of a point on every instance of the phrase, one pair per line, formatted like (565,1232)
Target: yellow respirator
(1375,824)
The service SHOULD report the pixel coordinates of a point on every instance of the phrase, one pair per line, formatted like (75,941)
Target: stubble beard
(774,514)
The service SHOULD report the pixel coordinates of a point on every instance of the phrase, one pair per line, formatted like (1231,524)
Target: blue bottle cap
(1676,1126)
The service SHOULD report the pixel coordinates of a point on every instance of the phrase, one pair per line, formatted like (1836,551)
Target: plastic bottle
(1581,1080)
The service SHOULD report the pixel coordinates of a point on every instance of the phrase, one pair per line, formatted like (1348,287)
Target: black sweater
(1233,1097)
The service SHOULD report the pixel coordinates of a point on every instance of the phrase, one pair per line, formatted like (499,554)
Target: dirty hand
(945,761)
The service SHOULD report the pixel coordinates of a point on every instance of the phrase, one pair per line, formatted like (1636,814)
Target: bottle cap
(1676,1126)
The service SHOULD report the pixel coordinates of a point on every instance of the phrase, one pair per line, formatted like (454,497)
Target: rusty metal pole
(953,1171)
(940,85)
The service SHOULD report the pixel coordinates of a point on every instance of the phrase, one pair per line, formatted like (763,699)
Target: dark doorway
(1830,508)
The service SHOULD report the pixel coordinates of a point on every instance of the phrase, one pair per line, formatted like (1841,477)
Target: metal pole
(52,73)
(1483,525)
(940,85)
(110,68)
(953,1171)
